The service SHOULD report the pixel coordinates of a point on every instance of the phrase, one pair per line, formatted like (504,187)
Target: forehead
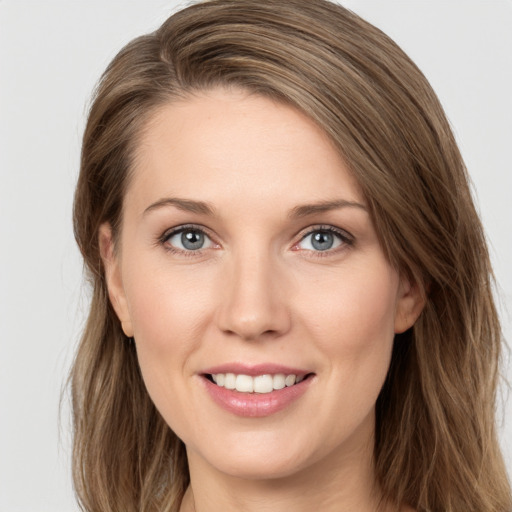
(220,145)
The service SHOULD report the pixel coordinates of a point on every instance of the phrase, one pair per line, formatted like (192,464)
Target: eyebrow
(187,205)
(323,206)
(203,208)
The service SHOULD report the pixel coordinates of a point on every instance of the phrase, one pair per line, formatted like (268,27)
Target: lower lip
(255,405)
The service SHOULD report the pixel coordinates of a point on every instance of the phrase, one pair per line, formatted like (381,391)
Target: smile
(255,384)
(256,391)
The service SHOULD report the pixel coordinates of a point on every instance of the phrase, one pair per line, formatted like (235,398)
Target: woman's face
(247,256)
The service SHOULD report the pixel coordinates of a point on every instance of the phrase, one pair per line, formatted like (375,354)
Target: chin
(257,467)
(259,455)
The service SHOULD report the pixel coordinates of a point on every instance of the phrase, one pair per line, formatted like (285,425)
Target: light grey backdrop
(51,54)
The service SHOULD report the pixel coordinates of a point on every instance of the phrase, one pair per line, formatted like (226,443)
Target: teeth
(244,384)
(229,380)
(279,381)
(259,384)
(290,380)
(263,384)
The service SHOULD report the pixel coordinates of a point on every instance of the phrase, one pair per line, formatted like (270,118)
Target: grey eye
(320,240)
(189,240)
(192,240)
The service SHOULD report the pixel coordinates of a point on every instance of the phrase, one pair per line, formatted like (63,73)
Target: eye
(323,239)
(187,239)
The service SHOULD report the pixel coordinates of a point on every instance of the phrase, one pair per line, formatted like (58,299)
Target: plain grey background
(51,54)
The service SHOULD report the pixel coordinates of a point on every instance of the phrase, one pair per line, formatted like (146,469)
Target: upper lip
(255,369)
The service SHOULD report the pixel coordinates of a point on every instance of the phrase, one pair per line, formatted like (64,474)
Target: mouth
(260,384)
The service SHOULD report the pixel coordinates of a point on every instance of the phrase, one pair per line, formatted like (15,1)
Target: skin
(257,292)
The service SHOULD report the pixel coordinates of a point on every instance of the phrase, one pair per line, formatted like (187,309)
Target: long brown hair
(436,446)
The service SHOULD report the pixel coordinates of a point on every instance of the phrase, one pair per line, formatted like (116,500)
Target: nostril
(253,312)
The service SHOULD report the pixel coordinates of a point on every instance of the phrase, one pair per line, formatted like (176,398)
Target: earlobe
(114,279)
(411,302)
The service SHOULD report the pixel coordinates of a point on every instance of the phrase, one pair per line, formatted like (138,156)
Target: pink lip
(255,405)
(255,369)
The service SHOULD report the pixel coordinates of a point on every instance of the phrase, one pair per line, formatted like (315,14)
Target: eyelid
(347,239)
(170,232)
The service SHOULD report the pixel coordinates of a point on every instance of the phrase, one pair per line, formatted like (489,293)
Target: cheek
(167,308)
(168,314)
(354,326)
(356,303)
(166,317)
(353,329)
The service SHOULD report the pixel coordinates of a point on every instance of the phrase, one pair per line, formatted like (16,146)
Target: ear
(114,279)
(411,301)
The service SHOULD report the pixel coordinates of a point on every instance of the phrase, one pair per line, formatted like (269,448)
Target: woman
(292,302)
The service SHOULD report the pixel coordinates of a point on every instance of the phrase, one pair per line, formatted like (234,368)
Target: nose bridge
(253,300)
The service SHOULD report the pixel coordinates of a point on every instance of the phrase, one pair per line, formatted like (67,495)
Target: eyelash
(167,235)
(345,238)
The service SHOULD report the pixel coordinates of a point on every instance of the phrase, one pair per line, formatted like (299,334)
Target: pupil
(322,241)
(192,240)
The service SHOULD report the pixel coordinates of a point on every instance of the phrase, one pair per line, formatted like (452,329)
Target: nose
(253,302)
